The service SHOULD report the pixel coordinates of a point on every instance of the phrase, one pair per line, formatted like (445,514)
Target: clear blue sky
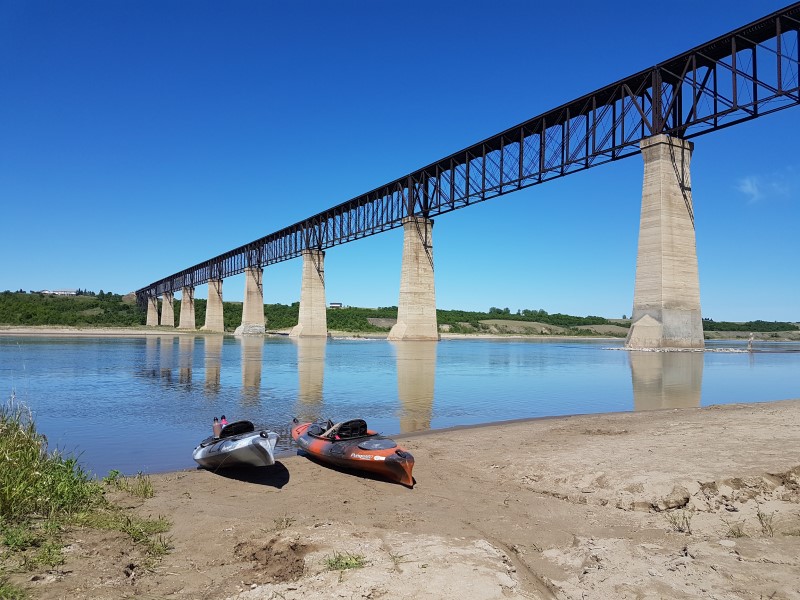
(138,138)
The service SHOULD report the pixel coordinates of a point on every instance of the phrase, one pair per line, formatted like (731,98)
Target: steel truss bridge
(745,74)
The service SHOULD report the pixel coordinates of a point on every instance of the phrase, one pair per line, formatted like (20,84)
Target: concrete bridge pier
(416,310)
(168,310)
(187,309)
(253,322)
(214,317)
(666,301)
(313,318)
(152,311)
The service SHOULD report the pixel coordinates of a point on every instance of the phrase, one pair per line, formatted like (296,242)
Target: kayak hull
(362,453)
(254,449)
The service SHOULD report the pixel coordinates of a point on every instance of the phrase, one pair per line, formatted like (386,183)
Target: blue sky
(139,138)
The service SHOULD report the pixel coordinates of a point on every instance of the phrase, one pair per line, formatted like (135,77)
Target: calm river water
(143,403)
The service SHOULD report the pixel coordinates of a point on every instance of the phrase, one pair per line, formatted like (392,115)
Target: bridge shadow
(275,476)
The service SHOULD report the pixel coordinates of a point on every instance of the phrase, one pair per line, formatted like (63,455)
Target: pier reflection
(416,372)
(666,379)
(212,362)
(166,356)
(252,361)
(185,358)
(310,376)
(151,361)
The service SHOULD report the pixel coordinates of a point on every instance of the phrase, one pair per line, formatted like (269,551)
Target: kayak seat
(348,430)
(236,428)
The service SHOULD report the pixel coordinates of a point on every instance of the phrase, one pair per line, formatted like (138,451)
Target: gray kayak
(238,445)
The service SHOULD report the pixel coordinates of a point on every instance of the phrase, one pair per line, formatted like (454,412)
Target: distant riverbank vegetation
(107,309)
(103,309)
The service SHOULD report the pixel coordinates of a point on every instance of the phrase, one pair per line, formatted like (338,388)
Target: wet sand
(681,503)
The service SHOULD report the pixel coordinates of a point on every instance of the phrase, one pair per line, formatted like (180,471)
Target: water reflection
(150,366)
(310,375)
(185,358)
(166,357)
(213,362)
(252,361)
(666,379)
(416,371)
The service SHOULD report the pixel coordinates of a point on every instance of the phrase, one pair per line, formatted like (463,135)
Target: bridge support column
(416,311)
(666,301)
(253,322)
(187,309)
(152,311)
(313,318)
(168,310)
(214,317)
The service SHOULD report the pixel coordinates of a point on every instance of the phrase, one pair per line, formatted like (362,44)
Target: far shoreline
(144,331)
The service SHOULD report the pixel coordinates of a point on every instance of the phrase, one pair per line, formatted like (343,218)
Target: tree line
(114,310)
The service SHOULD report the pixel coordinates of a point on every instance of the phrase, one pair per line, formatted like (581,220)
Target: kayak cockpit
(346,430)
(230,430)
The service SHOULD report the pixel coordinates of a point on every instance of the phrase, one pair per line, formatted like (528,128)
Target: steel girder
(745,74)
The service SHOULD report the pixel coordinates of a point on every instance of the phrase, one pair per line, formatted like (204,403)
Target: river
(140,404)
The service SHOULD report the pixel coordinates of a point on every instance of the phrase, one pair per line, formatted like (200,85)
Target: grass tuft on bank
(44,493)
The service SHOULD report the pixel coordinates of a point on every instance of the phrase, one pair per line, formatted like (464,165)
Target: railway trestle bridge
(737,77)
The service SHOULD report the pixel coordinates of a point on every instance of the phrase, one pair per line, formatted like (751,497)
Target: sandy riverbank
(569,508)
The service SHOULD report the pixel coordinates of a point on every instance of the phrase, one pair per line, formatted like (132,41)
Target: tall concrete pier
(187,309)
(152,311)
(416,311)
(666,301)
(168,310)
(313,318)
(214,318)
(253,322)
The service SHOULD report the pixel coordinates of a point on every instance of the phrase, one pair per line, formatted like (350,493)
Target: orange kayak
(351,445)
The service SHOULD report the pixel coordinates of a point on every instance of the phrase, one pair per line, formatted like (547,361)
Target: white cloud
(758,189)
(751,188)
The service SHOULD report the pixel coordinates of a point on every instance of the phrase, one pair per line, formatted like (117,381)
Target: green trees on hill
(104,309)
(113,310)
(454,317)
(755,326)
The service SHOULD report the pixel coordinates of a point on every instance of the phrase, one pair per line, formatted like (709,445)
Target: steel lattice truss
(745,74)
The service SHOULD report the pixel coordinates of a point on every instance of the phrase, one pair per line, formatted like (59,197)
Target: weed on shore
(42,493)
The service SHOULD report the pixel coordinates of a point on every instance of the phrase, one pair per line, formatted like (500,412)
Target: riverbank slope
(686,503)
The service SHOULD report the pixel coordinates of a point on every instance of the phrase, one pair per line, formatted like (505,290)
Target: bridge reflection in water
(252,361)
(660,380)
(416,372)
(185,358)
(212,361)
(666,379)
(310,377)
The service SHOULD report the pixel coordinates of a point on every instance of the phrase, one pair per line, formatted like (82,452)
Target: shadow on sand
(275,476)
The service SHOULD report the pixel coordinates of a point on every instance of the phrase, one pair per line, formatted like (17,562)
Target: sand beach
(683,503)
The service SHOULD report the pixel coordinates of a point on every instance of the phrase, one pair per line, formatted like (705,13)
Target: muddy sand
(689,503)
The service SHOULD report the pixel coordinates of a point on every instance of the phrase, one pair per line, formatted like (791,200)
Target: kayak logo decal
(361,456)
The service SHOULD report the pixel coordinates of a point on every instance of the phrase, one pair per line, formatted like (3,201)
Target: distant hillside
(113,310)
(103,309)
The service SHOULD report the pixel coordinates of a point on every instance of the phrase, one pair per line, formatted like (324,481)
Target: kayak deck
(351,445)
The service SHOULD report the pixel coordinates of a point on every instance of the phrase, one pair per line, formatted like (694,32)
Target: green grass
(34,482)
(43,492)
(9,591)
(140,486)
(342,561)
